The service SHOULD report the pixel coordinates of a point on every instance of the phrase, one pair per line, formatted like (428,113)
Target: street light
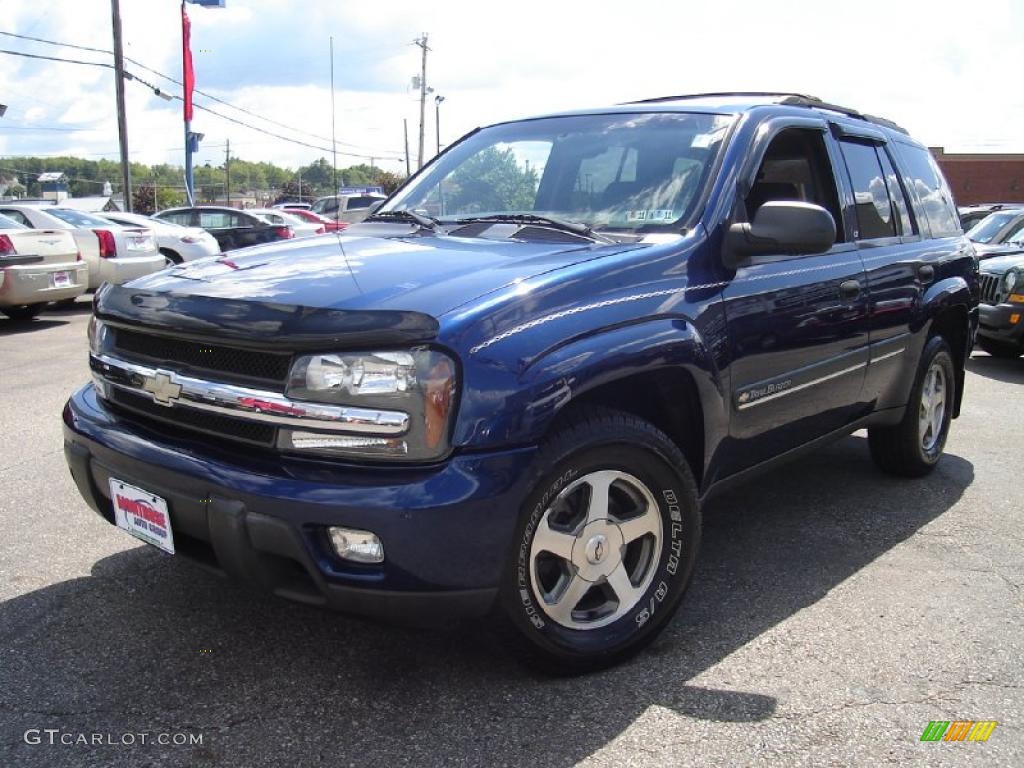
(437,120)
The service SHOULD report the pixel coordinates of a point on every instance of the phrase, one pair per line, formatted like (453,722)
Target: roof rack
(788,99)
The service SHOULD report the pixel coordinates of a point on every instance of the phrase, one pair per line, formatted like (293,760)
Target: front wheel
(913,447)
(1001,349)
(605,545)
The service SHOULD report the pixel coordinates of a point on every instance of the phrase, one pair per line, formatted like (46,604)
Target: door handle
(849,289)
(926,272)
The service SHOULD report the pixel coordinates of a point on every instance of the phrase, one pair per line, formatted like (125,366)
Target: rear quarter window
(934,202)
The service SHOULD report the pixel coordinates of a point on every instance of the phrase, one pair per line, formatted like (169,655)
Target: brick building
(983,178)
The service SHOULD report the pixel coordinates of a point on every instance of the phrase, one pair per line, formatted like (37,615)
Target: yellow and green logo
(958,730)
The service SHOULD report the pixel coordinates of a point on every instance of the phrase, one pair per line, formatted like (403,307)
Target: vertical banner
(188,75)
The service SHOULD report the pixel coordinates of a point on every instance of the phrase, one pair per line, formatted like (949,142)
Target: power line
(179,83)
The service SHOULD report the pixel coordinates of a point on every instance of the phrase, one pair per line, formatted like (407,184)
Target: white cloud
(910,62)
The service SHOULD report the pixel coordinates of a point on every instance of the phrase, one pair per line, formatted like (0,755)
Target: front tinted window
(936,201)
(618,172)
(361,202)
(871,197)
(183,218)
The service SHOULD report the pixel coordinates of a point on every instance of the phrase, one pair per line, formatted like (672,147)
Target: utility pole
(422,43)
(227,170)
(122,118)
(405,128)
(334,143)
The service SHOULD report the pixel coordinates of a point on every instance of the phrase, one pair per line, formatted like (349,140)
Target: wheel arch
(658,370)
(948,309)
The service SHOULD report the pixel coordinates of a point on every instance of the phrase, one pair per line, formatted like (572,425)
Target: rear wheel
(605,545)
(913,447)
(23,313)
(1001,349)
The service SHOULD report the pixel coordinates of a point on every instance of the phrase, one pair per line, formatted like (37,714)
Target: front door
(798,326)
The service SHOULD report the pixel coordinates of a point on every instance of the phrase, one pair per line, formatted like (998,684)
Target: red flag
(188,75)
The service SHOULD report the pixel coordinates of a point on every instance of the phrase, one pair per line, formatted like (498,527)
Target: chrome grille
(990,288)
(231,362)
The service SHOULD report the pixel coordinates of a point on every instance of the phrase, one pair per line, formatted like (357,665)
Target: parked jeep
(511,389)
(1001,330)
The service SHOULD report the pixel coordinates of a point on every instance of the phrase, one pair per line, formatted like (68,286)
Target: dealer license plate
(142,514)
(62,279)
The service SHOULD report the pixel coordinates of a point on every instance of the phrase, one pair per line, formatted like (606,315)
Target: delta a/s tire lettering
(605,546)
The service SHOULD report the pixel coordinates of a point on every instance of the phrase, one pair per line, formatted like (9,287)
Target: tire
(912,448)
(648,532)
(23,313)
(171,258)
(1001,349)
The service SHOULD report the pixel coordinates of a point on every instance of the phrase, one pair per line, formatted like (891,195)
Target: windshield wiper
(576,227)
(426,222)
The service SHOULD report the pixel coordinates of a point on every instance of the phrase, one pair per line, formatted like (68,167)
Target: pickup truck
(509,391)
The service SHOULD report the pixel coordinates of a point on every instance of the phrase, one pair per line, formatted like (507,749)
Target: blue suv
(511,389)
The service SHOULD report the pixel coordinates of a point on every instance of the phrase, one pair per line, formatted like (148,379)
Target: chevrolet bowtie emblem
(162,386)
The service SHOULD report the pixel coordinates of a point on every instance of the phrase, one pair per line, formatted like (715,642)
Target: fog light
(1015,318)
(358,546)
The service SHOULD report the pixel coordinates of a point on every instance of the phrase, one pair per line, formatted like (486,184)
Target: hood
(430,274)
(999,264)
(332,289)
(990,251)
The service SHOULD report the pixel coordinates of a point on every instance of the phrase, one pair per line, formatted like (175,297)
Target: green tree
(491,180)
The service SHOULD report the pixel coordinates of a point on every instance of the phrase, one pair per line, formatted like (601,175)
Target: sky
(944,74)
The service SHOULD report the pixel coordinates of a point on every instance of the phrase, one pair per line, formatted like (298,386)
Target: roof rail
(788,99)
(684,96)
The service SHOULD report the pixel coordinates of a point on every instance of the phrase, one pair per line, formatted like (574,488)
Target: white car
(37,267)
(300,227)
(113,253)
(175,242)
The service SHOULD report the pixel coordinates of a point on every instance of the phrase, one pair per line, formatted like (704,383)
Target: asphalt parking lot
(834,613)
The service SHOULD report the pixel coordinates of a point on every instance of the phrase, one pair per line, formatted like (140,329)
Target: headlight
(1010,280)
(419,383)
(99,336)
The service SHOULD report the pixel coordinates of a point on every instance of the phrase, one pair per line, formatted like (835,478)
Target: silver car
(37,267)
(176,242)
(113,253)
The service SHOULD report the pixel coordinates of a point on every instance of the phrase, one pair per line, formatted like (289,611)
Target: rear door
(798,326)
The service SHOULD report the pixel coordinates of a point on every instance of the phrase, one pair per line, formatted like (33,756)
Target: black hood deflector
(260,325)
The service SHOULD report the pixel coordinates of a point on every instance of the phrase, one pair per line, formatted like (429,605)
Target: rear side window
(361,202)
(214,220)
(19,217)
(896,194)
(936,201)
(871,197)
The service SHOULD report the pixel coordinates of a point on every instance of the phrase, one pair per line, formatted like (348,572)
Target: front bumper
(997,322)
(121,269)
(33,283)
(446,530)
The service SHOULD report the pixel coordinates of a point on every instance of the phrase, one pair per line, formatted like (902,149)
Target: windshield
(614,172)
(76,218)
(986,230)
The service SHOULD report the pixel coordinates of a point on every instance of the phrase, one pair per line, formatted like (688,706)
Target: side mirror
(787,227)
